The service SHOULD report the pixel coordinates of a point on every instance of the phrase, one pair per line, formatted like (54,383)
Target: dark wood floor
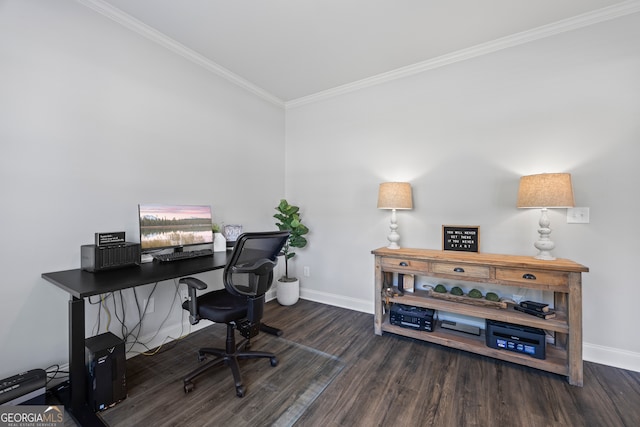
(391,380)
(395,381)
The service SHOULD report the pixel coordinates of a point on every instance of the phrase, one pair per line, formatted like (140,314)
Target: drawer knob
(459,270)
(529,276)
(403,264)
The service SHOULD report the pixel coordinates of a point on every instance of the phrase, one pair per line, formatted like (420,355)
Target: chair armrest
(192,282)
(194,285)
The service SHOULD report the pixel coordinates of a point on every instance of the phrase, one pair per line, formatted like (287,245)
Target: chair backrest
(249,271)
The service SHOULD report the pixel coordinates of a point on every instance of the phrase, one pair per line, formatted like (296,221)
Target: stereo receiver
(408,316)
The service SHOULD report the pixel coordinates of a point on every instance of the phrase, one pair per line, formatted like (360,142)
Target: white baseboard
(329,299)
(356,304)
(609,356)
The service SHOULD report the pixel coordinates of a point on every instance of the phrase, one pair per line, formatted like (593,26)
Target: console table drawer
(532,276)
(462,270)
(400,265)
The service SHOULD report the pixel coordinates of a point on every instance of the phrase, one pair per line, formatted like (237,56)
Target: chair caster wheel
(274,361)
(188,387)
(240,391)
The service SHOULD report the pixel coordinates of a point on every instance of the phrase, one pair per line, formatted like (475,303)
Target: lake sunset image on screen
(170,226)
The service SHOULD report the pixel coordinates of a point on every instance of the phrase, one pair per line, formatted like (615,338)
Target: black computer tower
(106,370)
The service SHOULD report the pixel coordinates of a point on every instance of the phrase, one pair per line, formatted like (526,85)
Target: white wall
(95,119)
(463,135)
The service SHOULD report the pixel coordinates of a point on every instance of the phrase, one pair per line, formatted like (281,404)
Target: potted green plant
(288,216)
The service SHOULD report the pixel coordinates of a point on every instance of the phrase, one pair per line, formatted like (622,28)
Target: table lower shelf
(555,362)
(509,315)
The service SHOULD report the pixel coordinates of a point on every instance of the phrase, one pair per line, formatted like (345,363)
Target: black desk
(81,284)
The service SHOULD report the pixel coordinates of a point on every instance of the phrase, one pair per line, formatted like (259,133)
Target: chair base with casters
(224,308)
(229,356)
(247,277)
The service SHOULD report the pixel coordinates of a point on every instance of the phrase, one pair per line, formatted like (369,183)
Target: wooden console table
(562,277)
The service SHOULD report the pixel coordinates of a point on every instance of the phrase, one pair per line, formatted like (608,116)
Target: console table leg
(575,330)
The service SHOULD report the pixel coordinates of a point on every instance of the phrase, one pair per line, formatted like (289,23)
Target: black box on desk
(407,316)
(106,370)
(99,258)
(516,338)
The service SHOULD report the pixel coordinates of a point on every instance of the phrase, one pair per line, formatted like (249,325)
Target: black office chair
(247,277)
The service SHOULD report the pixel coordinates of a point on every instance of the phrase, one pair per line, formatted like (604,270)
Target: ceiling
(292,49)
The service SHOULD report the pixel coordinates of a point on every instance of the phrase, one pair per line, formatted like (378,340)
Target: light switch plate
(578,215)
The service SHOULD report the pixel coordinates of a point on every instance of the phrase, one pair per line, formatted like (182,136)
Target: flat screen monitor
(174,226)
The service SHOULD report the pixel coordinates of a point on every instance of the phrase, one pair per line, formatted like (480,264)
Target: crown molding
(569,24)
(148,32)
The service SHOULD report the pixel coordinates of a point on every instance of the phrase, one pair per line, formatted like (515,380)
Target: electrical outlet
(149,305)
(305,271)
(578,215)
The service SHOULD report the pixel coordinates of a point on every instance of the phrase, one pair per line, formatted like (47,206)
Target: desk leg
(77,379)
(77,405)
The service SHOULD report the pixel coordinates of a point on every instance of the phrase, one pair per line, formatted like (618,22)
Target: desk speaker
(99,258)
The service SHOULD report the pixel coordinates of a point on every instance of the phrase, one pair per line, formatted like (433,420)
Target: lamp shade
(546,190)
(395,195)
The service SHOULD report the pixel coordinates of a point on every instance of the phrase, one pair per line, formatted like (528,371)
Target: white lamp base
(393,236)
(544,243)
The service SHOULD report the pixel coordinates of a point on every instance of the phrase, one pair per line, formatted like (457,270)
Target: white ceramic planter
(288,293)
(219,242)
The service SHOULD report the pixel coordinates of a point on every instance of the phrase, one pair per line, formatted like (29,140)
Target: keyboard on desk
(177,256)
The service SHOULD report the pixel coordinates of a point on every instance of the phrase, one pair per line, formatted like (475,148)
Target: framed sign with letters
(460,238)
